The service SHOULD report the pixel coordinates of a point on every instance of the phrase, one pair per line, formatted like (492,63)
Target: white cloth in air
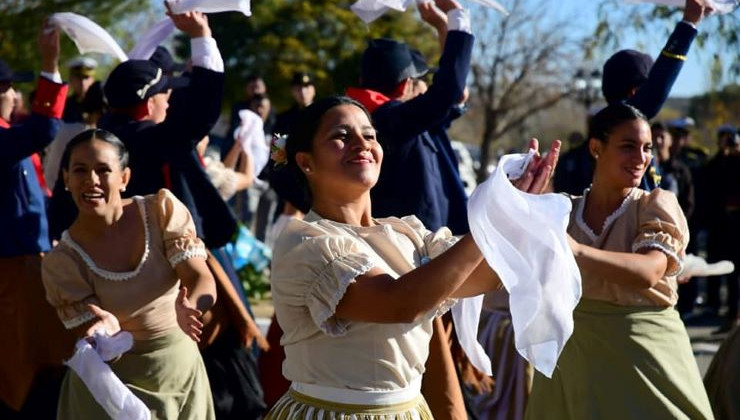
(154,37)
(87,35)
(89,364)
(720,6)
(523,238)
(369,10)
(251,135)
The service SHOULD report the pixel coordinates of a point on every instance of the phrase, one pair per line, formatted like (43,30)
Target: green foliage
(256,283)
(323,37)
(21,20)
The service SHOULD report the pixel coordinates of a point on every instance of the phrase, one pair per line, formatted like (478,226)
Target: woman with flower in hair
(629,356)
(354,295)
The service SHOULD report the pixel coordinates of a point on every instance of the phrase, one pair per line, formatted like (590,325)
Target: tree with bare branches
(523,63)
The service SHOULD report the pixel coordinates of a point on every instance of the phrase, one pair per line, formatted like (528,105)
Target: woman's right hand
(188,316)
(574,245)
(447,5)
(106,321)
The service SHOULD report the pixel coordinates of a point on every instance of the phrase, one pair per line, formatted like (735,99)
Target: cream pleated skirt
(312,402)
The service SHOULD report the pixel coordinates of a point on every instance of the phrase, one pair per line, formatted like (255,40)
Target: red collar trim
(371,99)
(4,124)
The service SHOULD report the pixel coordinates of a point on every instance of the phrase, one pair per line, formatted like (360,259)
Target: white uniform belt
(352,396)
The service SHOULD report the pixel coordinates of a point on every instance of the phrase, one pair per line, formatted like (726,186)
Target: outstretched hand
(432,15)
(49,47)
(106,321)
(536,178)
(447,5)
(195,24)
(695,10)
(188,317)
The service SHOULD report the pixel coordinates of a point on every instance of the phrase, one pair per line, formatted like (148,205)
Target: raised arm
(21,141)
(653,93)
(196,108)
(430,109)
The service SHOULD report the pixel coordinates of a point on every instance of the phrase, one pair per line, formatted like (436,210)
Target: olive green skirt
(166,374)
(622,362)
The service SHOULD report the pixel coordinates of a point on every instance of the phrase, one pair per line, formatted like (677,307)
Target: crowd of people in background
(122,205)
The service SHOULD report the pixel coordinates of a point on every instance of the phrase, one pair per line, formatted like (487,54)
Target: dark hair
(289,181)
(658,125)
(88,136)
(604,121)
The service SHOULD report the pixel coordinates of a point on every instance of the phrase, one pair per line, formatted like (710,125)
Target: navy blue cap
(386,63)
(8,75)
(162,57)
(624,71)
(301,79)
(134,81)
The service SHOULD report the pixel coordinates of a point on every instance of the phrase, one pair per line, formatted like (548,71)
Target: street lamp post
(587,86)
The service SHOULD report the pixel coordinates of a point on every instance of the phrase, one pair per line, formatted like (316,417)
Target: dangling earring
(123,189)
(66,188)
(596,156)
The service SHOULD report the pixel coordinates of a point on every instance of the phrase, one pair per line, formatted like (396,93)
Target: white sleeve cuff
(459,20)
(205,54)
(54,77)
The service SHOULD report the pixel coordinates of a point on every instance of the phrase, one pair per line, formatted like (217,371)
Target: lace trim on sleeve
(337,275)
(673,269)
(198,252)
(78,320)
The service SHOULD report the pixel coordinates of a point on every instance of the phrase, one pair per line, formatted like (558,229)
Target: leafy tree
(323,37)
(20,22)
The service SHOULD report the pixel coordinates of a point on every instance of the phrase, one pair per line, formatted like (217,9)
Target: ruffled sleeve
(434,244)
(662,226)
(67,288)
(315,273)
(178,230)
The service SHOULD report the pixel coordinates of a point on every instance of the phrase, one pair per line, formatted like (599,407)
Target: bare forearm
(413,294)
(482,280)
(230,160)
(201,289)
(640,271)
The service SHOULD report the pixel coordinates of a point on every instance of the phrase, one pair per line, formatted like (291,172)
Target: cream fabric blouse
(314,261)
(644,220)
(143,300)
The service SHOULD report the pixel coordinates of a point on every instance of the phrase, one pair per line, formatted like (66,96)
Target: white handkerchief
(466,316)
(211,6)
(110,347)
(523,238)
(251,135)
(152,39)
(369,10)
(87,35)
(719,6)
(115,398)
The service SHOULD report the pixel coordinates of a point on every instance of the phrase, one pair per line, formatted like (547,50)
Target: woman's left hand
(536,178)
(188,317)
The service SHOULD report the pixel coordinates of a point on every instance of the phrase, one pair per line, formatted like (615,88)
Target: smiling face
(95,179)
(622,159)
(345,155)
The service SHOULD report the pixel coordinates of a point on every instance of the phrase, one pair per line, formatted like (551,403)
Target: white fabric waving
(523,238)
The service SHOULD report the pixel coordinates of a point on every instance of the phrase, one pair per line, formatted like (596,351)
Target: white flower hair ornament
(277,150)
